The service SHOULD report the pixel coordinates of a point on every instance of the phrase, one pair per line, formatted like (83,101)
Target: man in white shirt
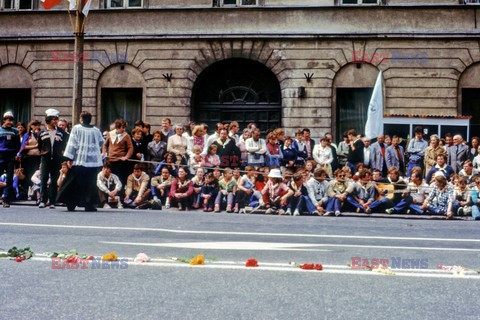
(214,137)
(256,148)
(109,187)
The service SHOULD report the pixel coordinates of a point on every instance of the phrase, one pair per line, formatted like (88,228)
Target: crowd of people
(237,171)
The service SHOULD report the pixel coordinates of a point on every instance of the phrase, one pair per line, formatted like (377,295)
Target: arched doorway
(352,90)
(120,94)
(237,89)
(469,98)
(16,94)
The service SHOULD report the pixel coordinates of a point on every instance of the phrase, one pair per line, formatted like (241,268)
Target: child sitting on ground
(209,192)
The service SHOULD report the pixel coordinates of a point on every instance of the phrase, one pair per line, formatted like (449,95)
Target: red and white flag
(48,4)
(86,6)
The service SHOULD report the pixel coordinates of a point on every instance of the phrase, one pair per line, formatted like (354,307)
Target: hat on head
(8,114)
(52,113)
(275,173)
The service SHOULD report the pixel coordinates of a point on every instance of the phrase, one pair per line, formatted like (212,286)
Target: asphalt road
(224,288)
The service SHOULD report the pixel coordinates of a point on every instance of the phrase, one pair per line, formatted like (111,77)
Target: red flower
(312,266)
(19,259)
(251,263)
(89,258)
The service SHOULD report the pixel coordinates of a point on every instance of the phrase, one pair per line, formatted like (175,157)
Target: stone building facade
(289,63)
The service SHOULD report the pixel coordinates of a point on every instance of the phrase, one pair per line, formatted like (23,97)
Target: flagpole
(78,63)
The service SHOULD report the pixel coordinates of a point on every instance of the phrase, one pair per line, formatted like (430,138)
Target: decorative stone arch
(120,76)
(468,89)
(351,76)
(237,89)
(15,77)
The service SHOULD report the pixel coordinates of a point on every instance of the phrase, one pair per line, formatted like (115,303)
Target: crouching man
(136,191)
(109,187)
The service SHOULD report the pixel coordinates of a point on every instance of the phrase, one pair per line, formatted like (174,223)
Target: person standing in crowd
(274,152)
(9,147)
(242,147)
(299,144)
(189,130)
(146,130)
(432,152)
(355,150)
(52,143)
(289,153)
(378,155)
(416,149)
(343,148)
(167,131)
(198,138)
(473,148)
(109,188)
(84,148)
(257,148)
(177,143)
(156,148)
(22,130)
(139,145)
(394,156)
(309,142)
(227,150)
(322,154)
(119,149)
(63,124)
(457,154)
(448,141)
(29,152)
(333,148)
(211,139)
(233,131)
(367,152)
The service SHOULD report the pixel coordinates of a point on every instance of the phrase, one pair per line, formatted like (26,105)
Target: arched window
(16,85)
(237,89)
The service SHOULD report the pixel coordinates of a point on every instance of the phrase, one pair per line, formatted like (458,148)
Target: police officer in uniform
(9,147)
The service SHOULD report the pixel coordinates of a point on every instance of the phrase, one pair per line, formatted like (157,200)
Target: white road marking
(293,235)
(227,245)
(264,267)
(233,245)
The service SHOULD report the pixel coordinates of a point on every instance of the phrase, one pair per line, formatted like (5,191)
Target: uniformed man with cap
(52,143)
(9,146)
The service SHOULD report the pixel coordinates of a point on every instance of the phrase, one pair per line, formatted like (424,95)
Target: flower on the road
(198,260)
(112,256)
(251,263)
(456,270)
(20,254)
(311,266)
(386,271)
(141,257)
(68,254)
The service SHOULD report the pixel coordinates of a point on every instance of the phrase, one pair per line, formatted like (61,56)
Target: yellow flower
(200,259)
(112,256)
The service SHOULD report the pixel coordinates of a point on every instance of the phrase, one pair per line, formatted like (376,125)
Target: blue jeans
(412,164)
(334,204)
(351,200)
(352,166)
(302,203)
(475,206)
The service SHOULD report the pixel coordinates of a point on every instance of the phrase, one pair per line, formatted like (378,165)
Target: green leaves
(15,252)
